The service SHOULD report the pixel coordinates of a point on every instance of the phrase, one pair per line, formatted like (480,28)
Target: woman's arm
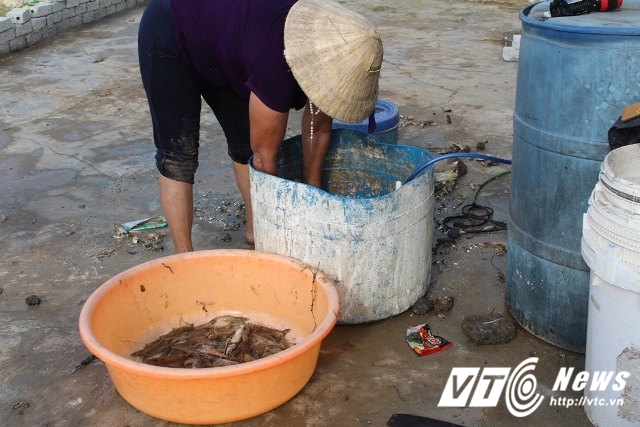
(314,144)
(267,130)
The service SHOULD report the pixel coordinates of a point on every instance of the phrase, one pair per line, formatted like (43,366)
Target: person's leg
(241,172)
(174,102)
(176,199)
(232,112)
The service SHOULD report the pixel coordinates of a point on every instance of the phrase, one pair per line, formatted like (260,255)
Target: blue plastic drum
(387,118)
(575,75)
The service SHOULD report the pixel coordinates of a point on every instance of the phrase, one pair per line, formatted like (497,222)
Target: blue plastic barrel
(387,118)
(575,75)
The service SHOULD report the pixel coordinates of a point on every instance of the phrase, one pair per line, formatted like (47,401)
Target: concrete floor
(77,158)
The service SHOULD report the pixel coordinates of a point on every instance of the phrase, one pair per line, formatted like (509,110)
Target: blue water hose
(421,168)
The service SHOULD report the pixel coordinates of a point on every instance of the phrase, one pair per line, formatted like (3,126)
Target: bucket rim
(424,178)
(616,181)
(365,139)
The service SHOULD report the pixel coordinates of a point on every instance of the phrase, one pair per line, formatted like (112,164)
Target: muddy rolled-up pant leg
(173,93)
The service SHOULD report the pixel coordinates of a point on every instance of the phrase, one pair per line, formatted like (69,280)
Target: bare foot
(248,237)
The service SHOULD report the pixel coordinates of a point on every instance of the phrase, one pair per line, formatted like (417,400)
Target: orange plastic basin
(138,305)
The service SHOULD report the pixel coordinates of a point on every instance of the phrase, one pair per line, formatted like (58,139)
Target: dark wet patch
(33,300)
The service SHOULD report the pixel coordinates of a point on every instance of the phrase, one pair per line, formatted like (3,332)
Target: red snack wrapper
(423,342)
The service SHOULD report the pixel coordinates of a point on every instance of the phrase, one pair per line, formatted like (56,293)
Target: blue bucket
(387,117)
(575,75)
(374,240)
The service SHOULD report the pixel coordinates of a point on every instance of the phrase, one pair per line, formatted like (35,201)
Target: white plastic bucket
(375,241)
(611,249)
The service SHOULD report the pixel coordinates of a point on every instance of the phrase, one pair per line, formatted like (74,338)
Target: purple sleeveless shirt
(239,44)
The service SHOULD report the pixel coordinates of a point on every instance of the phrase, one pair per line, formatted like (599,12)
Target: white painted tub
(375,241)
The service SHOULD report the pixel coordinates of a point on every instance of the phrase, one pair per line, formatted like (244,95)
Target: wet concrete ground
(77,158)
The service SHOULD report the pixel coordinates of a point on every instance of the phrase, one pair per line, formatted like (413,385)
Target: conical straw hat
(335,55)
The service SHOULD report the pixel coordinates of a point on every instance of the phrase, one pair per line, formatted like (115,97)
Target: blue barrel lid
(387,116)
(623,21)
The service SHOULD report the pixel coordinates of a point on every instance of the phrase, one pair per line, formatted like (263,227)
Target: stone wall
(26,26)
